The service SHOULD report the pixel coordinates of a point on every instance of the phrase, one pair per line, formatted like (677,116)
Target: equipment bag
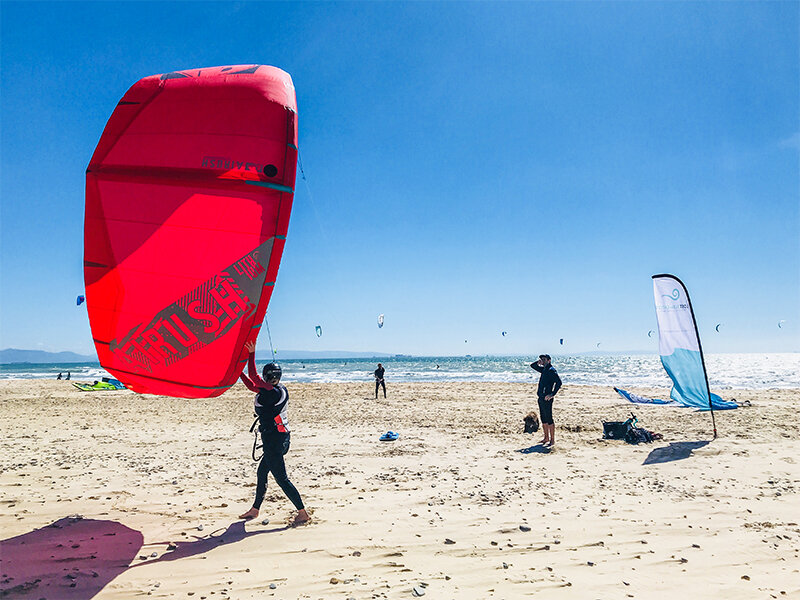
(615,430)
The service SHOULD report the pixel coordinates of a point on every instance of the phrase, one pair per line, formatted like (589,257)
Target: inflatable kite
(188,196)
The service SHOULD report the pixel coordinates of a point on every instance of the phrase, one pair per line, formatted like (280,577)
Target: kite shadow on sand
(675,451)
(75,558)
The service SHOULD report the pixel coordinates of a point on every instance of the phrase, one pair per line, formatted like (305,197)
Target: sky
(471,168)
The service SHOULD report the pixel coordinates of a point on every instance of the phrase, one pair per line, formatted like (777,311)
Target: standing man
(549,384)
(379,380)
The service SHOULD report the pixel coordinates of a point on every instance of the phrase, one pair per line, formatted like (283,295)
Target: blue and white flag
(679,346)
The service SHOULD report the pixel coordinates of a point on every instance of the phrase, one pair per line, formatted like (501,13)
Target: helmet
(272,372)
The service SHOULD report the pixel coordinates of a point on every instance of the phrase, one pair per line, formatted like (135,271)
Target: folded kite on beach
(716,402)
(636,399)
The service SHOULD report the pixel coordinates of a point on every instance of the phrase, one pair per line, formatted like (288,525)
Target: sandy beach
(116,495)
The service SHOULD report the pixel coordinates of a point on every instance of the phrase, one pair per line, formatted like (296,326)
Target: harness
(256,445)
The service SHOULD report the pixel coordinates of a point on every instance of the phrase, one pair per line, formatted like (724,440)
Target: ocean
(725,371)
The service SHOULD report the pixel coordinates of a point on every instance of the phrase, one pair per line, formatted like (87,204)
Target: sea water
(725,371)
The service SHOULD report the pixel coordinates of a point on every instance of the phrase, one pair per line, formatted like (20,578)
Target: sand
(144,493)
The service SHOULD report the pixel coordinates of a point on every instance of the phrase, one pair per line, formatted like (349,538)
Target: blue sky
(472,167)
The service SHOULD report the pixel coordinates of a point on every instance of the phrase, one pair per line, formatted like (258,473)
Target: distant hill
(14,355)
(311,354)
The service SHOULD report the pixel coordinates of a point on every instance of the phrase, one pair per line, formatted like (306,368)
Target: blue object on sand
(389,436)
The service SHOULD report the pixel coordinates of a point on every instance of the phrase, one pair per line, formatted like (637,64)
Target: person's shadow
(235,532)
(537,449)
(675,451)
(75,558)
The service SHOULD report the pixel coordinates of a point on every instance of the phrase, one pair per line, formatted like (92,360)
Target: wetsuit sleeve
(248,384)
(536,367)
(557,384)
(253,372)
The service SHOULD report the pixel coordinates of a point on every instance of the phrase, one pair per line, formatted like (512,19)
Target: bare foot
(302,517)
(250,514)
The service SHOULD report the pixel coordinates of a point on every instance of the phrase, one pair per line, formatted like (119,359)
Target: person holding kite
(270,405)
(549,384)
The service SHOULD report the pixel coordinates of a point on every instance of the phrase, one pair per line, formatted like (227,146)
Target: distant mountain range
(14,355)
(311,354)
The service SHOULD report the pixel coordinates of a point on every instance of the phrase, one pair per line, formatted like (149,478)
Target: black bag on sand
(531,423)
(615,430)
(637,435)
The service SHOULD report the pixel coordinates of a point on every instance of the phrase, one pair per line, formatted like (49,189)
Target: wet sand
(463,505)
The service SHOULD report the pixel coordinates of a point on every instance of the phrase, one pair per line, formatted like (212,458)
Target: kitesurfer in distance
(549,384)
(270,405)
(379,382)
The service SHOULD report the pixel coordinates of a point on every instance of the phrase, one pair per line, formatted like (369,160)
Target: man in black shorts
(549,384)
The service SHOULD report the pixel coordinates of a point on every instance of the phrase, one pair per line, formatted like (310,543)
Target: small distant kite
(380,320)
(319,331)
(81,299)
(717,327)
(780,323)
(651,332)
(598,344)
(561,341)
(504,333)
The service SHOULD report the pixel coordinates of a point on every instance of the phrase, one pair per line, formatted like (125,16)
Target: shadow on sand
(235,532)
(75,558)
(675,451)
(537,449)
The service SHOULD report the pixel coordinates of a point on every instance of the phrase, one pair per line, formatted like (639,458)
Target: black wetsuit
(270,406)
(549,384)
(379,381)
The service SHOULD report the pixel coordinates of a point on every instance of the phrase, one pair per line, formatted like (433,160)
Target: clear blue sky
(474,167)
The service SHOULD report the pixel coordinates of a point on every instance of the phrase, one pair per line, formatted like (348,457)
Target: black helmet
(272,372)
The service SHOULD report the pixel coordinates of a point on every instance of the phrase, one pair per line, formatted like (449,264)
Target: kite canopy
(188,196)
(80,300)
(380,320)
(318,329)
